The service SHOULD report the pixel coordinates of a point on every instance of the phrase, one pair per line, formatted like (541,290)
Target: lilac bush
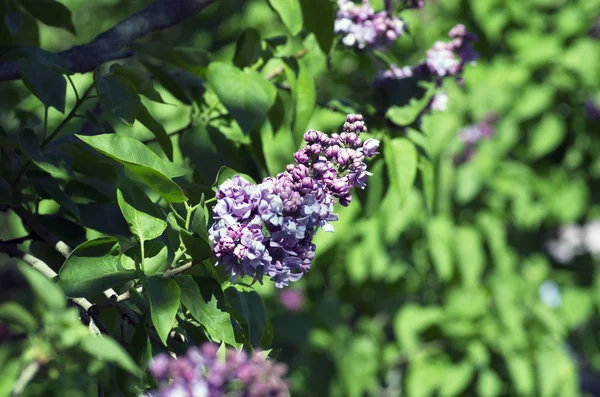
(362,28)
(269,228)
(200,373)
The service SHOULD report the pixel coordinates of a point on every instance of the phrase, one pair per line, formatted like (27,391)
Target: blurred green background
(453,289)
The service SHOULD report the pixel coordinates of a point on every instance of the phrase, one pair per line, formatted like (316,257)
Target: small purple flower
(370,146)
(199,373)
(292,299)
(362,28)
(439,101)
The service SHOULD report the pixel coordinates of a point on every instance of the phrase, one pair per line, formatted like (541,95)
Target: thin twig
(26,376)
(174,272)
(13,251)
(111,44)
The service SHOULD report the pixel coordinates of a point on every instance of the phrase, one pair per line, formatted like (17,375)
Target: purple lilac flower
(573,240)
(362,27)
(439,102)
(292,299)
(199,373)
(444,59)
(268,229)
(472,135)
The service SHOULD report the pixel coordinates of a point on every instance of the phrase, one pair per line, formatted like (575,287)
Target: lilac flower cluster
(200,373)
(574,240)
(269,228)
(473,134)
(362,27)
(444,59)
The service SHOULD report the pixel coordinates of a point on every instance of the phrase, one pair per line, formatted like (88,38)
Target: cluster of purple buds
(444,59)
(361,27)
(268,228)
(473,134)
(200,373)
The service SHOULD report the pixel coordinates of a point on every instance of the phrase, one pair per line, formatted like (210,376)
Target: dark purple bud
(332,152)
(315,148)
(302,157)
(343,157)
(370,147)
(311,136)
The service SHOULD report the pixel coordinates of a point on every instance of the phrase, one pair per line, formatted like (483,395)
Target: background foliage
(433,282)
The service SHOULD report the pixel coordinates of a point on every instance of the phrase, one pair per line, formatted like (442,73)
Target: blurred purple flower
(592,109)
(292,299)
(361,27)
(199,373)
(472,135)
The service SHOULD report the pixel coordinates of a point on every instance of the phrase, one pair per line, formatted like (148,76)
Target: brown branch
(111,44)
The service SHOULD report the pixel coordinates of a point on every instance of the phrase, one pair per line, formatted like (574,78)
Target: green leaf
(47,84)
(14,313)
(93,267)
(118,96)
(54,191)
(47,161)
(140,80)
(248,48)
(469,255)
(13,21)
(50,12)
(168,82)
(533,101)
(290,13)
(192,59)
(440,233)
(45,290)
(6,193)
(401,158)
(164,303)
(546,136)
(157,129)
(197,246)
(319,18)
(247,95)
(140,347)
(305,98)
(521,373)
(411,320)
(217,323)
(141,161)
(427,173)
(155,257)
(458,377)
(251,307)
(489,384)
(142,224)
(226,173)
(406,115)
(105,348)
(44,57)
